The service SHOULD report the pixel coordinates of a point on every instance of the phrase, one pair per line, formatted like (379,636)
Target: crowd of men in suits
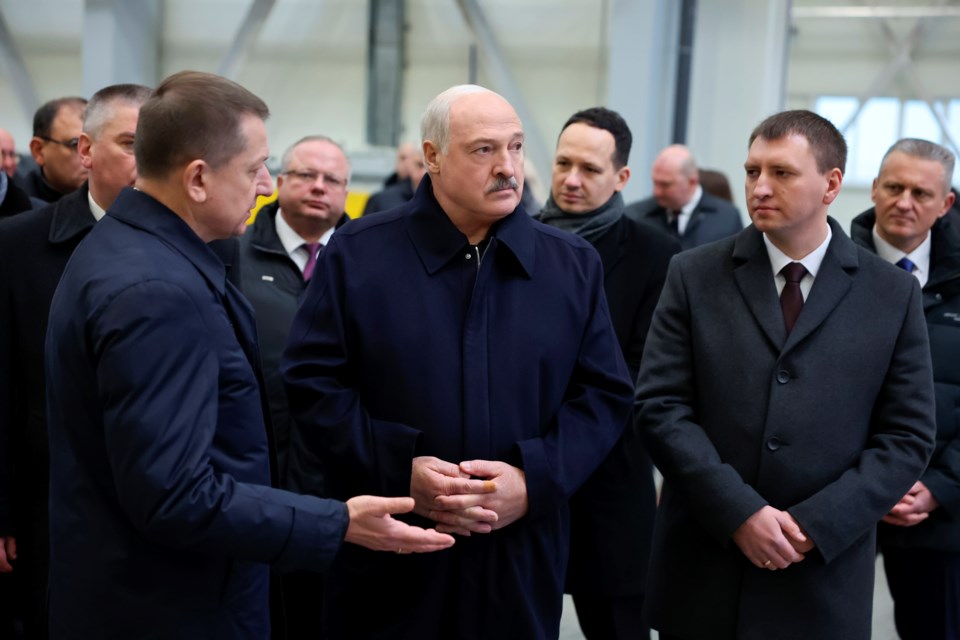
(221,400)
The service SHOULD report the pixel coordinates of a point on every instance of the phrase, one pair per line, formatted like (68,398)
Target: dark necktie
(673,220)
(791,298)
(313,248)
(906,264)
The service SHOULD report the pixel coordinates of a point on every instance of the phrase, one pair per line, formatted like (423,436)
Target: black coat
(941,304)
(611,516)
(15,201)
(394,195)
(274,285)
(34,249)
(38,188)
(712,219)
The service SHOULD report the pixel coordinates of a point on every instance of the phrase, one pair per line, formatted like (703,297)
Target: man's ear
(84,144)
(196,178)
(431,156)
(36,150)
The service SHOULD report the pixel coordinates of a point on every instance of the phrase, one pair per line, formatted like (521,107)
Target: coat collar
(142,211)
(71,217)
(754,278)
(437,240)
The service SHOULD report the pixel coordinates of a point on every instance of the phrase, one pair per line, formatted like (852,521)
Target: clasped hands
(913,508)
(772,539)
(475,496)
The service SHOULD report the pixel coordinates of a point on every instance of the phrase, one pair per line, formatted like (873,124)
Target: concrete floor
(882,614)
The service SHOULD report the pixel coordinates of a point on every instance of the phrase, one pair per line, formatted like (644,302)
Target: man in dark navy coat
(34,249)
(914,226)
(456,351)
(785,429)
(612,514)
(162,520)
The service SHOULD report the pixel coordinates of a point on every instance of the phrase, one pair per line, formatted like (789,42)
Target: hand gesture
(372,527)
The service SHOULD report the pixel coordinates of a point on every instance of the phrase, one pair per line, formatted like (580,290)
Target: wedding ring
(767,563)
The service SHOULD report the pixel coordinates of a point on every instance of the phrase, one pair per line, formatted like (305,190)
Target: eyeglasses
(69,144)
(309,177)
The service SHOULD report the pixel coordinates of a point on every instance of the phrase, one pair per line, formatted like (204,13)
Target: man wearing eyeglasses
(56,134)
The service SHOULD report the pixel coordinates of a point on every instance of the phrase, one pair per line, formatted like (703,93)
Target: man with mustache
(456,351)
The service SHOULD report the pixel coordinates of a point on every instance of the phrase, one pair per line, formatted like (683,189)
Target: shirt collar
(97,211)
(812,261)
(920,256)
(437,240)
(290,239)
(694,201)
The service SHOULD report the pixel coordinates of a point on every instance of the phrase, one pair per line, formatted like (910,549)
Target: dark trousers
(925,586)
(611,617)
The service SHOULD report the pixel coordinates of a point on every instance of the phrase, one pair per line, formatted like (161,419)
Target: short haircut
(826,142)
(435,122)
(193,115)
(102,106)
(285,159)
(925,150)
(608,120)
(48,112)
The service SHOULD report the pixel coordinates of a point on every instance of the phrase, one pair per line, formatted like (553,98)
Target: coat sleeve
(591,419)
(666,396)
(157,374)
(359,454)
(896,453)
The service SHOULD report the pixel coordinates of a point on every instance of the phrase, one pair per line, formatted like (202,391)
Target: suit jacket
(161,517)
(34,249)
(389,197)
(712,219)
(405,345)
(941,304)
(832,423)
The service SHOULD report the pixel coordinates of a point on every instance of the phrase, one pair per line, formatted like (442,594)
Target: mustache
(501,184)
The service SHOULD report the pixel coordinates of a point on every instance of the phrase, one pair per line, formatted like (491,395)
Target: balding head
(674,177)
(473,150)
(9,151)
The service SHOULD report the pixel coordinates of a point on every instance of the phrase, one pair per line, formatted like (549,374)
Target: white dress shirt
(920,256)
(293,243)
(812,262)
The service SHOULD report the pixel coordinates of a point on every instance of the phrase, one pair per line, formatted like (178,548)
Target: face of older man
(673,186)
(479,178)
(58,155)
(584,177)
(910,196)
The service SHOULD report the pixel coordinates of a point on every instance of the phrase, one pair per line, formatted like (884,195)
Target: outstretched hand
(372,526)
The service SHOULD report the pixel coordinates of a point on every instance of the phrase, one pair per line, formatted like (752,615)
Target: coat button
(773,443)
(468,255)
(783,377)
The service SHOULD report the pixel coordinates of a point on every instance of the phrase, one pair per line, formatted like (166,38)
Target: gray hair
(435,122)
(288,154)
(925,150)
(102,106)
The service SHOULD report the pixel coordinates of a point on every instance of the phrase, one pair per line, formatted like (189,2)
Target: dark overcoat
(161,518)
(833,424)
(406,344)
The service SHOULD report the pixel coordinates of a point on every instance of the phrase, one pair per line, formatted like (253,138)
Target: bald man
(459,352)
(679,204)
(8,149)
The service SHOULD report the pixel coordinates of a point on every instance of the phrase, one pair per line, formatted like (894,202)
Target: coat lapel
(754,277)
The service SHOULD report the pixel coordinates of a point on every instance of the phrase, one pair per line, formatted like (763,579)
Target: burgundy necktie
(313,248)
(791,298)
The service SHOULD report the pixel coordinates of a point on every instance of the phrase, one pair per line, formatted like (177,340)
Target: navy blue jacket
(404,346)
(161,520)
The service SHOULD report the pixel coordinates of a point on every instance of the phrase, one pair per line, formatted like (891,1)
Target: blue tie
(905,264)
